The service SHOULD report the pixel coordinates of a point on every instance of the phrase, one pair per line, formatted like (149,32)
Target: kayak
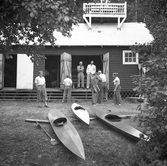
(81,113)
(116,123)
(66,132)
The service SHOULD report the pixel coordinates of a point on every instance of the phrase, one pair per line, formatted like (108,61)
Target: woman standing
(117,89)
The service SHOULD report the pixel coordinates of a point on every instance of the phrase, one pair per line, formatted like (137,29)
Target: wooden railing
(110,10)
(104,8)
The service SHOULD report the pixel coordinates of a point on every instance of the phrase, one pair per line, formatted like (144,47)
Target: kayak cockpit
(79,108)
(60,121)
(113,118)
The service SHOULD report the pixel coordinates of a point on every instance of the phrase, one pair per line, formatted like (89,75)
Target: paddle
(47,121)
(37,120)
(52,140)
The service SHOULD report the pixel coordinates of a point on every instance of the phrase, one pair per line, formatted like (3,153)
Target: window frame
(129,63)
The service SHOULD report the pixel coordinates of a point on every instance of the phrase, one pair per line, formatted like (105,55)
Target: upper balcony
(103,10)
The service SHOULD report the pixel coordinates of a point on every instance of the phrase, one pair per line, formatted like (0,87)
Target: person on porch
(80,69)
(90,70)
(67,89)
(40,84)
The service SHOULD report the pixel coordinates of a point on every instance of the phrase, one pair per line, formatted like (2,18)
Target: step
(52,95)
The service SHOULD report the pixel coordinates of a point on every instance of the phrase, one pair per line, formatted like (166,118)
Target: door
(106,66)
(1,71)
(65,67)
(25,69)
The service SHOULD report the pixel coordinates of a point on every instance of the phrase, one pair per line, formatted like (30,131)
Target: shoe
(94,104)
(46,106)
(119,104)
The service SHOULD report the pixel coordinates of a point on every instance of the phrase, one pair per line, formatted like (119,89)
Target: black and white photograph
(83,83)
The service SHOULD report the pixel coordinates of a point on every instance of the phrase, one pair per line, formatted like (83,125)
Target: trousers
(117,96)
(80,79)
(41,93)
(67,92)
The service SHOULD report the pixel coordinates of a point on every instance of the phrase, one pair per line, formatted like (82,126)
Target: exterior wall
(124,71)
(115,61)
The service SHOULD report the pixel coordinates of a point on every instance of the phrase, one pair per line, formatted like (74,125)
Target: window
(130,57)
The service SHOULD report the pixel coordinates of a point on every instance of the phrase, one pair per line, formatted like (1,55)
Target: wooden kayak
(66,132)
(115,122)
(81,113)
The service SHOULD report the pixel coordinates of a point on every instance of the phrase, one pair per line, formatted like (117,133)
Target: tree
(29,24)
(154,84)
(32,23)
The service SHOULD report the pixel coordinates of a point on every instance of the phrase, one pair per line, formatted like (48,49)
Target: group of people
(96,81)
(91,69)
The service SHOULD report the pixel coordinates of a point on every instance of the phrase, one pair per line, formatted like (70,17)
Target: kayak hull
(116,123)
(67,133)
(81,113)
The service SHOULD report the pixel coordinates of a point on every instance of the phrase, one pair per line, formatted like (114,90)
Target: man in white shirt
(117,89)
(104,85)
(90,70)
(41,89)
(67,89)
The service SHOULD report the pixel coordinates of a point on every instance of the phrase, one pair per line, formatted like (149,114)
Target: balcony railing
(104,8)
(110,10)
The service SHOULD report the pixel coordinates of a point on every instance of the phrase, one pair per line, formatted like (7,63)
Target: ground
(25,144)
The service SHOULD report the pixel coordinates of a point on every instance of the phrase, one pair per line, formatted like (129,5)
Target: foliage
(31,23)
(153,84)
(25,22)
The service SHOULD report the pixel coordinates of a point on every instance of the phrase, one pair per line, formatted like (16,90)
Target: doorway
(52,71)
(98,62)
(10,69)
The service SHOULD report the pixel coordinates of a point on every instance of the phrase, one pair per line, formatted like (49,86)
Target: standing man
(99,83)
(94,89)
(67,89)
(80,69)
(117,89)
(41,89)
(104,88)
(90,70)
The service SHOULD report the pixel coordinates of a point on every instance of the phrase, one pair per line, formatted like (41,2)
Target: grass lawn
(24,144)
